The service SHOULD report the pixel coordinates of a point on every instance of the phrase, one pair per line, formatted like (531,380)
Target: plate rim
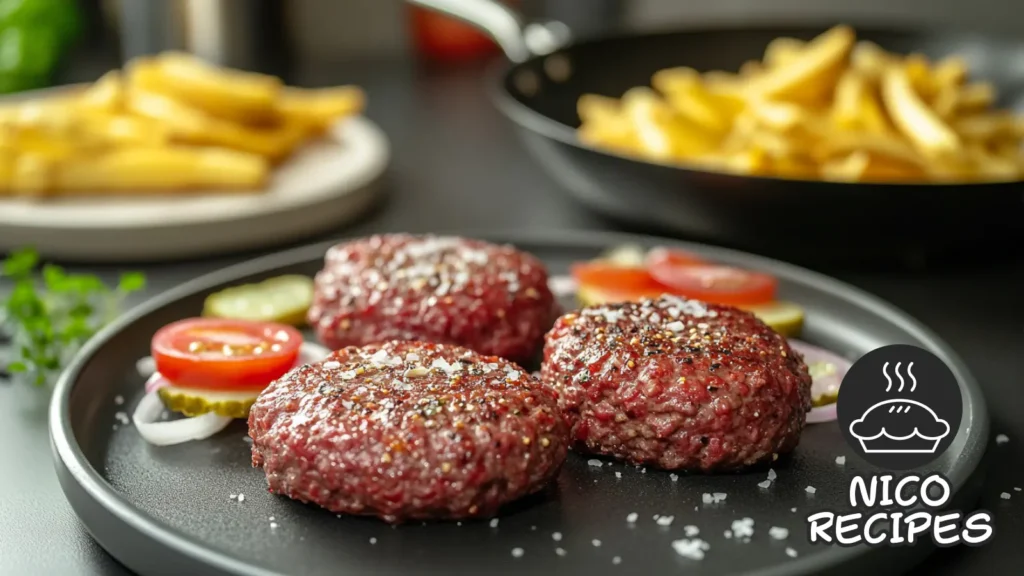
(72,465)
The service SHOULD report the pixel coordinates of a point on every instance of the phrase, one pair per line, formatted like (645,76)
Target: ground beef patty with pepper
(408,430)
(493,299)
(677,384)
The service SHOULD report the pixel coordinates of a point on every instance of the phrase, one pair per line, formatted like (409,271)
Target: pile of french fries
(166,123)
(830,109)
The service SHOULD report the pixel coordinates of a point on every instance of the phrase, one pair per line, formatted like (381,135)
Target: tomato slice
(613,276)
(716,284)
(213,353)
(668,257)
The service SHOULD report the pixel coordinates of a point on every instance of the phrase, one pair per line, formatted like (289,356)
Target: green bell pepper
(34,35)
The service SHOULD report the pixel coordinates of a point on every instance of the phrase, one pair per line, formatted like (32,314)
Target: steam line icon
(899,425)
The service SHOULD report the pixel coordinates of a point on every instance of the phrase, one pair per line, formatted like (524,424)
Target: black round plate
(168,510)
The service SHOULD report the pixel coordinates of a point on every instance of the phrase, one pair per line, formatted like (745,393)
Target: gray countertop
(457,166)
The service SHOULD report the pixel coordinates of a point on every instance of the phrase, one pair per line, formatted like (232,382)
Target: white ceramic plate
(324,185)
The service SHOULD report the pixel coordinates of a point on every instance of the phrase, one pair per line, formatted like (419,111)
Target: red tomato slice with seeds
(715,283)
(668,257)
(222,354)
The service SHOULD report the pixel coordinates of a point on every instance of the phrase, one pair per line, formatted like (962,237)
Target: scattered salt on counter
(790,552)
(643,470)
(560,551)
(233,496)
(1016,488)
(792,509)
(617,560)
(631,517)
(618,474)
(595,463)
(727,533)
(841,460)
(692,548)
(772,475)
(533,528)
(241,497)
(665,520)
(765,484)
(271,518)
(373,540)
(118,399)
(811,489)
(517,552)
(494,522)
(458,523)
(557,536)
(707,498)
(595,542)
(273,525)
(122,418)
(673,477)
(691,530)
(1005,495)
(778,532)
(743,528)
(1002,439)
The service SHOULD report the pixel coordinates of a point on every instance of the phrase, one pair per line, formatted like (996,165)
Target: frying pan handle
(518,39)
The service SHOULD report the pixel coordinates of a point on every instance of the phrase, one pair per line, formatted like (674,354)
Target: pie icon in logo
(899,407)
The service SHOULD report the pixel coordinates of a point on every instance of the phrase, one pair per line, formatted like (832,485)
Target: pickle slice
(284,299)
(785,318)
(195,402)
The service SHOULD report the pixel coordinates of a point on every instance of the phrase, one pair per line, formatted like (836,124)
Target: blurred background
(282,35)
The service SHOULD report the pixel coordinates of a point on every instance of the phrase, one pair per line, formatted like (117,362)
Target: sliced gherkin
(195,402)
(284,299)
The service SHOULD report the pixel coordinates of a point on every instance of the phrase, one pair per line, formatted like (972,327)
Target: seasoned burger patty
(408,430)
(677,384)
(493,299)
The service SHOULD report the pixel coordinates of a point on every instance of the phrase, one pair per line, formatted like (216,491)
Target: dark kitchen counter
(457,166)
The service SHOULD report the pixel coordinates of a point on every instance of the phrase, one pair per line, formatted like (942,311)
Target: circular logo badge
(899,407)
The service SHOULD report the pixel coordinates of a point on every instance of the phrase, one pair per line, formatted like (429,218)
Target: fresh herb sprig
(49,316)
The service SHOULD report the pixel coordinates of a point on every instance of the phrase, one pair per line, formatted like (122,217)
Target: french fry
(319,108)
(781,51)
(234,95)
(913,118)
(831,108)
(141,170)
(811,74)
(106,94)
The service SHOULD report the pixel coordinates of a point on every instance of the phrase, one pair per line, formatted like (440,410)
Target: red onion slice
(827,372)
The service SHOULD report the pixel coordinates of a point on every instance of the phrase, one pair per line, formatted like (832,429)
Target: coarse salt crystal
(778,532)
(790,552)
(743,528)
(765,484)
(643,470)
(617,560)
(673,477)
(458,523)
(494,522)
(557,536)
(841,460)
(771,474)
(675,326)
(1002,439)
(692,548)
(618,474)
(792,509)
(517,552)
(1005,495)
(271,518)
(691,530)
(707,498)
(631,517)
(595,542)
(727,534)
(595,463)
(560,551)
(533,528)
(373,540)
(118,399)
(122,418)
(241,497)
(273,525)
(331,365)
(1016,488)
(811,489)
(665,520)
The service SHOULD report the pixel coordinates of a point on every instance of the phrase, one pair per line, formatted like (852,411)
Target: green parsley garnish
(49,316)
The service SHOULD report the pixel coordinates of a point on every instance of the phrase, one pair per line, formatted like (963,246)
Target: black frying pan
(809,221)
